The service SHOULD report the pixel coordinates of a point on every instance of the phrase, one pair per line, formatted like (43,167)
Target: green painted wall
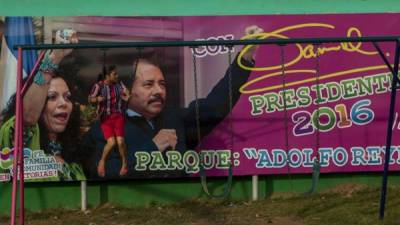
(40,196)
(140,192)
(191,7)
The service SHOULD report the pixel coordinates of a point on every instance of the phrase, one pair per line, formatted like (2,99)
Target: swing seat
(315,178)
(227,188)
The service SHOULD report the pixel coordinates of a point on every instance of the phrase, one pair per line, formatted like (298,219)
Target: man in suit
(151,127)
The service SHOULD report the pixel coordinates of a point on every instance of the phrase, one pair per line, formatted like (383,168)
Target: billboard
(169,112)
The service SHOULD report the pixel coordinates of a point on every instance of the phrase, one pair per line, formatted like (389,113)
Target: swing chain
(137,61)
(104,69)
(317,71)
(230,49)
(283,71)
(197,106)
(316,162)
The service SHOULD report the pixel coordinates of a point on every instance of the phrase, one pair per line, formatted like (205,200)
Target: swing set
(18,163)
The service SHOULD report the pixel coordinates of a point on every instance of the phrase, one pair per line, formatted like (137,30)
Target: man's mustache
(156,98)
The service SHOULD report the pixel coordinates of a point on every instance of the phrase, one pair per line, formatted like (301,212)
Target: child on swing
(111,96)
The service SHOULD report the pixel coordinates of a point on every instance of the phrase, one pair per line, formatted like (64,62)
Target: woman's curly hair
(69,139)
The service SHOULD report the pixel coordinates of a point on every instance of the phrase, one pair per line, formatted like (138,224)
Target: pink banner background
(267,130)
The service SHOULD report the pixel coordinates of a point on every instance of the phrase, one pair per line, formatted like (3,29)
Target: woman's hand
(59,159)
(99,99)
(66,36)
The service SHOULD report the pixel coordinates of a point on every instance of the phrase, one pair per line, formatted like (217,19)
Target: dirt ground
(345,204)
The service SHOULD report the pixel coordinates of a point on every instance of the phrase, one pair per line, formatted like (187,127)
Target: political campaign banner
(164,112)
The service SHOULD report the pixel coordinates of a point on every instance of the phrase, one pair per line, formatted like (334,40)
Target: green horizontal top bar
(190,7)
(210,43)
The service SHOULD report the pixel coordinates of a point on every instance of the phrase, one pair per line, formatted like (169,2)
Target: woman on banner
(51,121)
(111,95)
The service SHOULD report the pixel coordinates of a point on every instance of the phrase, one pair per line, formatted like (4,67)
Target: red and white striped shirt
(112,94)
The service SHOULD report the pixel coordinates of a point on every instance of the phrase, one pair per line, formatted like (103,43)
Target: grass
(345,204)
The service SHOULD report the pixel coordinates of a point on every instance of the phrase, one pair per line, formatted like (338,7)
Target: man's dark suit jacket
(139,134)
